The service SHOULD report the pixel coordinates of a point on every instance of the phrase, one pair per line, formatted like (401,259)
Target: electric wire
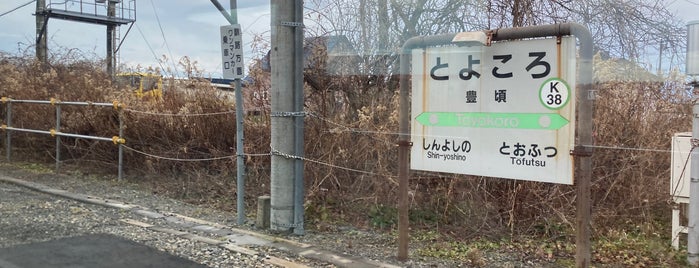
(21,6)
(162,33)
(149,47)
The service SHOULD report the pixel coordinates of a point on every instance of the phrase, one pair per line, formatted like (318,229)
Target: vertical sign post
(233,68)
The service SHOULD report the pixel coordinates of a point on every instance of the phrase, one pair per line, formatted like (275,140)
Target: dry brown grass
(353,126)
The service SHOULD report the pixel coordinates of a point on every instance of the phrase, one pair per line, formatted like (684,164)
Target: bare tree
(623,29)
(630,29)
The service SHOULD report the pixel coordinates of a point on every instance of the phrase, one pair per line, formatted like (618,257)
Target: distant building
(329,55)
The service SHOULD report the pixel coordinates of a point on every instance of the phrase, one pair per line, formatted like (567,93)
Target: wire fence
(338,128)
(263,154)
(56,130)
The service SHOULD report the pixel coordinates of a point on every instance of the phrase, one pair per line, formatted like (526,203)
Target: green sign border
(541,88)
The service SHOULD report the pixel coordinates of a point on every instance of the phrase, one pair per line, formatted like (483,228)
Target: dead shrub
(350,136)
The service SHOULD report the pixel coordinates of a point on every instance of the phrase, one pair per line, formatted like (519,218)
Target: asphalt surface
(40,230)
(41,226)
(97,250)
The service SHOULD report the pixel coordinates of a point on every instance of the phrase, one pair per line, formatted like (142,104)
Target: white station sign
(232,52)
(505,110)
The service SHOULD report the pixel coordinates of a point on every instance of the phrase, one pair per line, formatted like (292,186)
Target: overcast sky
(191,28)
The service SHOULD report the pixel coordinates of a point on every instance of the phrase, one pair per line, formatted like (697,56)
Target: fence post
(121,145)
(56,131)
(8,139)
(58,137)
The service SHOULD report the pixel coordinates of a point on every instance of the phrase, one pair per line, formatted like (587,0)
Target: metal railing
(125,9)
(56,132)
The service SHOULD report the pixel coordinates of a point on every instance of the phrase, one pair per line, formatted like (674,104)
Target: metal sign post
(233,68)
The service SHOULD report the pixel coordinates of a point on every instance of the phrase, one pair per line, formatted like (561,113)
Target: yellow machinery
(145,84)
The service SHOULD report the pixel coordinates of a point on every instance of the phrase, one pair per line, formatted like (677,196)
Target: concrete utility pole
(111,39)
(41,21)
(693,217)
(282,62)
(692,70)
(299,185)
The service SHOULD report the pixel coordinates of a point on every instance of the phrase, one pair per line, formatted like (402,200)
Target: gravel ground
(45,217)
(29,217)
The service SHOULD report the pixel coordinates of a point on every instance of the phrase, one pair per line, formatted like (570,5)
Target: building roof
(334,46)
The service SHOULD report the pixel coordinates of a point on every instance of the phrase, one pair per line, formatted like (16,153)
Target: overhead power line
(8,12)
(162,33)
(150,48)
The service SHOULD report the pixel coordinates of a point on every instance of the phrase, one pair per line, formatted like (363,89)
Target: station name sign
(506,110)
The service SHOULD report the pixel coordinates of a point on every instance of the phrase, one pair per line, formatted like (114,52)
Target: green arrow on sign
(493,120)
